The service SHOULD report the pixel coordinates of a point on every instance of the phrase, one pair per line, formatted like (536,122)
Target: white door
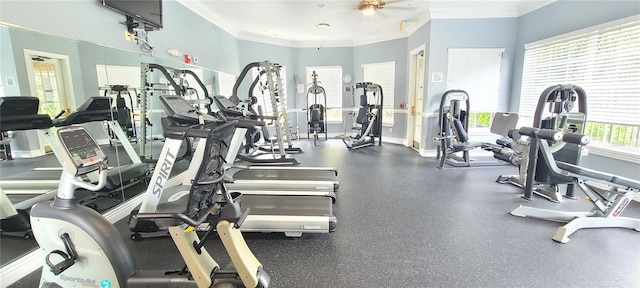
(48,86)
(50,81)
(418,99)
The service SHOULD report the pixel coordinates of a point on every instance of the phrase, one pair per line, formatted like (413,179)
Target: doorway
(50,80)
(416,97)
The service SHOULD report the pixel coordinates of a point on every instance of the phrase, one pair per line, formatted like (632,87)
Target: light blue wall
(89,21)
(8,68)
(387,51)
(466,33)
(329,56)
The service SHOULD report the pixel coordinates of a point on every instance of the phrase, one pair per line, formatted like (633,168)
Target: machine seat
(582,171)
(466,146)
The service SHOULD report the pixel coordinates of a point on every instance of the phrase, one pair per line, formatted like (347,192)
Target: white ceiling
(292,22)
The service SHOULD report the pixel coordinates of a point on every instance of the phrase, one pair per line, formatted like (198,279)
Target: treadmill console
(95,109)
(82,150)
(226,106)
(178,109)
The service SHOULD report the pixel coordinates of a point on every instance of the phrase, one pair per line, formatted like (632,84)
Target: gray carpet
(404,223)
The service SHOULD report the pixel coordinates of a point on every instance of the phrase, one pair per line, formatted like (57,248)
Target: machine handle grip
(576,138)
(102,180)
(249,123)
(547,134)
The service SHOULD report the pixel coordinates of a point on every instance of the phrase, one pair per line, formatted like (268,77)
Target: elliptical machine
(82,248)
(368,117)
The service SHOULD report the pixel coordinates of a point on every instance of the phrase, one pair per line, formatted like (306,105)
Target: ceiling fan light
(369,10)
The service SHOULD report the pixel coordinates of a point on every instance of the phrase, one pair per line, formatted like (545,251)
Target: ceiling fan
(369,7)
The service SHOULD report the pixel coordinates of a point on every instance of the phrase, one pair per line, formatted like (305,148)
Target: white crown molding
(206,14)
(533,5)
(473,13)
(411,26)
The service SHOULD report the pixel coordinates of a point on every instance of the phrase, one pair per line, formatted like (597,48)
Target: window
(477,71)
(383,74)
(605,62)
(264,97)
(225,84)
(329,78)
(119,75)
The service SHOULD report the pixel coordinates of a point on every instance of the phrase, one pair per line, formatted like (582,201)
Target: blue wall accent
(465,33)
(89,21)
(8,68)
(387,51)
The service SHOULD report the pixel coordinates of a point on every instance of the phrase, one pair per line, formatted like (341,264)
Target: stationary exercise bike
(81,248)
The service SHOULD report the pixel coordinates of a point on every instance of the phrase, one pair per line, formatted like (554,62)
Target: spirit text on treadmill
(163,174)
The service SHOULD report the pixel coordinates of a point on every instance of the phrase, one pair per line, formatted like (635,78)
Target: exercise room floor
(402,222)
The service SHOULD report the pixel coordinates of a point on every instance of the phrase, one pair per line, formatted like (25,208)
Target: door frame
(413,69)
(65,79)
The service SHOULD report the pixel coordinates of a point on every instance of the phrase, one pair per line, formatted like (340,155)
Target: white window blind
(605,62)
(329,78)
(118,75)
(476,71)
(383,74)
(264,97)
(225,84)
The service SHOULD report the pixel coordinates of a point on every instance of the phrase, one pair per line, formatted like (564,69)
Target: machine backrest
(316,113)
(362,115)
(503,122)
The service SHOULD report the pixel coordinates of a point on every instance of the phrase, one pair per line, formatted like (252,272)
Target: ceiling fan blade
(399,8)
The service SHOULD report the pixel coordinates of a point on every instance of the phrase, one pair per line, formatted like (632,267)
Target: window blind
(383,74)
(476,71)
(604,61)
(225,83)
(330,78)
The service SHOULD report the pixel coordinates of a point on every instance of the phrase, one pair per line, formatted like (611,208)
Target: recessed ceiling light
(406,4)
(320,5)
(322,25)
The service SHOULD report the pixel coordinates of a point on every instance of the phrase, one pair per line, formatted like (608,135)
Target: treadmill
(95,109)
(20,114)
(262,179)
(291,214)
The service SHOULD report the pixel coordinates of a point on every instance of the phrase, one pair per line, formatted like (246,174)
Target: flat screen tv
(147,11)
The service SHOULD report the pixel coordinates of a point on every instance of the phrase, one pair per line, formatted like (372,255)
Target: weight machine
(269,81)
(534,174)
(453,137)
(369,117)
(317,112)
(178,87)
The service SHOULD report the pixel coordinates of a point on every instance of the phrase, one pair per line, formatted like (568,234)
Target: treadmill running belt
(287,205)
(284,174)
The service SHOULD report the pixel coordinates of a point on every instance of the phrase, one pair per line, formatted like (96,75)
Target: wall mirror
(64,73)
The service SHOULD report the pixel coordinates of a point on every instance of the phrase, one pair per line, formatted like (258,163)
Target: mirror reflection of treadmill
(39,180)
(21,114)
(290,212)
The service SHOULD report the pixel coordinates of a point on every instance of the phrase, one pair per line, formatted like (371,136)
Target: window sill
(628,155)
